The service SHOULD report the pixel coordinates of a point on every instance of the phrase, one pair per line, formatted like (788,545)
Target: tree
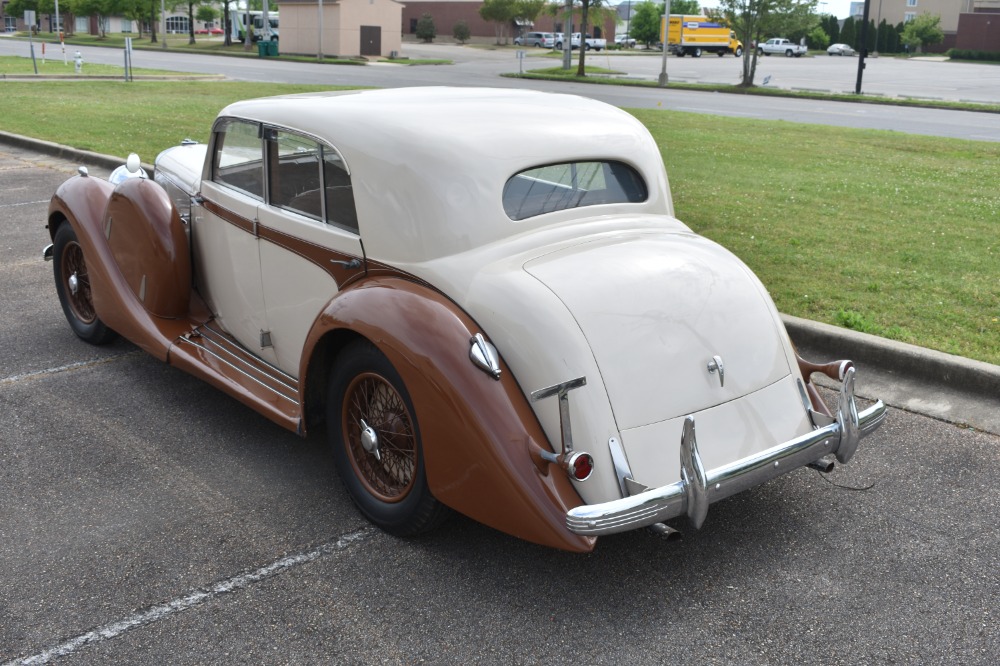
(924,29)
(645,24)
(500,13)
(461,31)
(527,11)
(754,21)
(191,5)
(832,27)
(227,24)
(849,34)
(689,7)
(818,39)
(425,28)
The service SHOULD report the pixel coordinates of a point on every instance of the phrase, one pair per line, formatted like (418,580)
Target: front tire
(739,52)
(376,443)
(73,288)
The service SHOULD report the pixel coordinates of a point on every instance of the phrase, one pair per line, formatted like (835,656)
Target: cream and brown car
(483,294)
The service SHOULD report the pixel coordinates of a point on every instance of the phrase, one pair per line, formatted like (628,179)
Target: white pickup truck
(779,45)
(596,43)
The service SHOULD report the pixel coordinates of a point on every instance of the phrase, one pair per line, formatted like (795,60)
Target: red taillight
(580,466)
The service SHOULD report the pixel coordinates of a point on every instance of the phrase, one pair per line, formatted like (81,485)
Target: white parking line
(24,203)
(13,379)
(194,598)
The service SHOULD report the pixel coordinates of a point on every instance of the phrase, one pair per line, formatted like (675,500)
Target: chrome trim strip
(47,252)
(242,372)
(622,469)
(220,340)
(562,390)
(697,488)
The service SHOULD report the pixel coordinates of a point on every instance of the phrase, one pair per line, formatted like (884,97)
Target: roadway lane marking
(13,379)
(194,598)
(24,203)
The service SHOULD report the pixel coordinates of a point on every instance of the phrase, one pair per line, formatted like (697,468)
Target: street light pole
(666,34)
(319,48)
(864,48)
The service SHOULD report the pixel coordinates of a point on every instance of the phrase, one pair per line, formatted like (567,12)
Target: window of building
(911,3)
(909,16)
(126,26)
(177,24)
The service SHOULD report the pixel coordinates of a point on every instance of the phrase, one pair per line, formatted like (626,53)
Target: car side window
(294,176)
(340,209)
(555,187)
(238,160)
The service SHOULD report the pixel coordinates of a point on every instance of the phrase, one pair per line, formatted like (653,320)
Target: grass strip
(54,66)
(886,233)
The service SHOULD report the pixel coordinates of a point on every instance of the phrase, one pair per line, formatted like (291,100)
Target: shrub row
(966,54)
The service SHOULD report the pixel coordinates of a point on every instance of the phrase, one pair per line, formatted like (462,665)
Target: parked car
(779,45)
(596,43)
(545,40)
(209,31)
(533,340)
(625,41)
(840,49)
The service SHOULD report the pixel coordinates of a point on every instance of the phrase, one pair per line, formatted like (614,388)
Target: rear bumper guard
(697,488)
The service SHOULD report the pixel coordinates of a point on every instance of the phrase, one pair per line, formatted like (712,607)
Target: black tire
(788,53)
(384,473)
(760,51)
(720,53)
(696,53)
(739,51)
(73,287)
(559,46)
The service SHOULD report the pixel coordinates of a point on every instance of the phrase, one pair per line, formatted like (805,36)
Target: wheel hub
(369,440)
(74,284)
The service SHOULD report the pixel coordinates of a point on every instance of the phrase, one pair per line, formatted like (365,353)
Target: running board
(211,354)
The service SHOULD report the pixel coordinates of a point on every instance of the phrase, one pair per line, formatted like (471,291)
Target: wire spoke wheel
(386,464)
(73,287)
(77,283)
(376,444)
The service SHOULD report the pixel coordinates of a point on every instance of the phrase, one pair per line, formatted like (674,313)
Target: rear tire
(788,53)
(376,443)
(696,53)
(73,288)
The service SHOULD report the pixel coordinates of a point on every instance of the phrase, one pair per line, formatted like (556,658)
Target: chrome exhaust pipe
(824,464)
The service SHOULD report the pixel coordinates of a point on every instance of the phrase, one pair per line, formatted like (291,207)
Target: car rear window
(555,187)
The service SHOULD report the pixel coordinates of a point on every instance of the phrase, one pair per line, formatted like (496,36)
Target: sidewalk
(923,381)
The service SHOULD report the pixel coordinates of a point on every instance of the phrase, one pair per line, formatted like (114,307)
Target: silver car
(840,49)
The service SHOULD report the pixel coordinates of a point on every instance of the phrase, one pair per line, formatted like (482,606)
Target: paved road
(146,518)
(483,67)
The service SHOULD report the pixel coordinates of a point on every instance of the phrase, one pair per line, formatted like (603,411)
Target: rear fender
(143,303)
(477,431)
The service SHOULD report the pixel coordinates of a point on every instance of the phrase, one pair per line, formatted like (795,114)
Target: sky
(839,8)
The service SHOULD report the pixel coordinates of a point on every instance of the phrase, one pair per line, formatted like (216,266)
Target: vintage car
(483,295)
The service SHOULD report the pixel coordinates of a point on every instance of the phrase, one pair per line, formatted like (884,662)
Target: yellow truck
(694,35)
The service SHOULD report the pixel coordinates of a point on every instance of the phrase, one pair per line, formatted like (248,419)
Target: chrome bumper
(697,488)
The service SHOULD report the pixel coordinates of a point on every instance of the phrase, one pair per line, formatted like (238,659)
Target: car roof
(433,158)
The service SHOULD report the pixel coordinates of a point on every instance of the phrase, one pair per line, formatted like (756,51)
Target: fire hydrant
(77,61)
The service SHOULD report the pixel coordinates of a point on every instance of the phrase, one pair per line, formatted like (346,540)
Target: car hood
(655,310)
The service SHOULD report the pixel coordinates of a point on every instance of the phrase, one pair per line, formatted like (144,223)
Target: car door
(224,234)
(309,241)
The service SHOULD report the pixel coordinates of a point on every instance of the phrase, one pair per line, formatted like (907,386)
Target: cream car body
(617,324)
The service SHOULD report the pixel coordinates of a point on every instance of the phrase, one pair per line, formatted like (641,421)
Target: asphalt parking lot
(147,518)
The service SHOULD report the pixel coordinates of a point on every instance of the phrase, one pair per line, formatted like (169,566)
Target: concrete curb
(954,372)
(108,162)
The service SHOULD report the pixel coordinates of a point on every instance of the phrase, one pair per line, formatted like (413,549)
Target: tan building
(350,27)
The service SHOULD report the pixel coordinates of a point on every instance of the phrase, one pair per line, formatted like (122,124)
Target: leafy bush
(967,54)
(461,32)
(425,28)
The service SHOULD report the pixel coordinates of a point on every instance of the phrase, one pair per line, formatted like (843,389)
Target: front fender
(476,431)
(83,202)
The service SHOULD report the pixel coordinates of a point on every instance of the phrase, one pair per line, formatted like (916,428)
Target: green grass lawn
(886,233)
(54,66)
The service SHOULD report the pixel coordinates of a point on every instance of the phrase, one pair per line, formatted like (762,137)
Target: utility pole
(863,51)
(666,34)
